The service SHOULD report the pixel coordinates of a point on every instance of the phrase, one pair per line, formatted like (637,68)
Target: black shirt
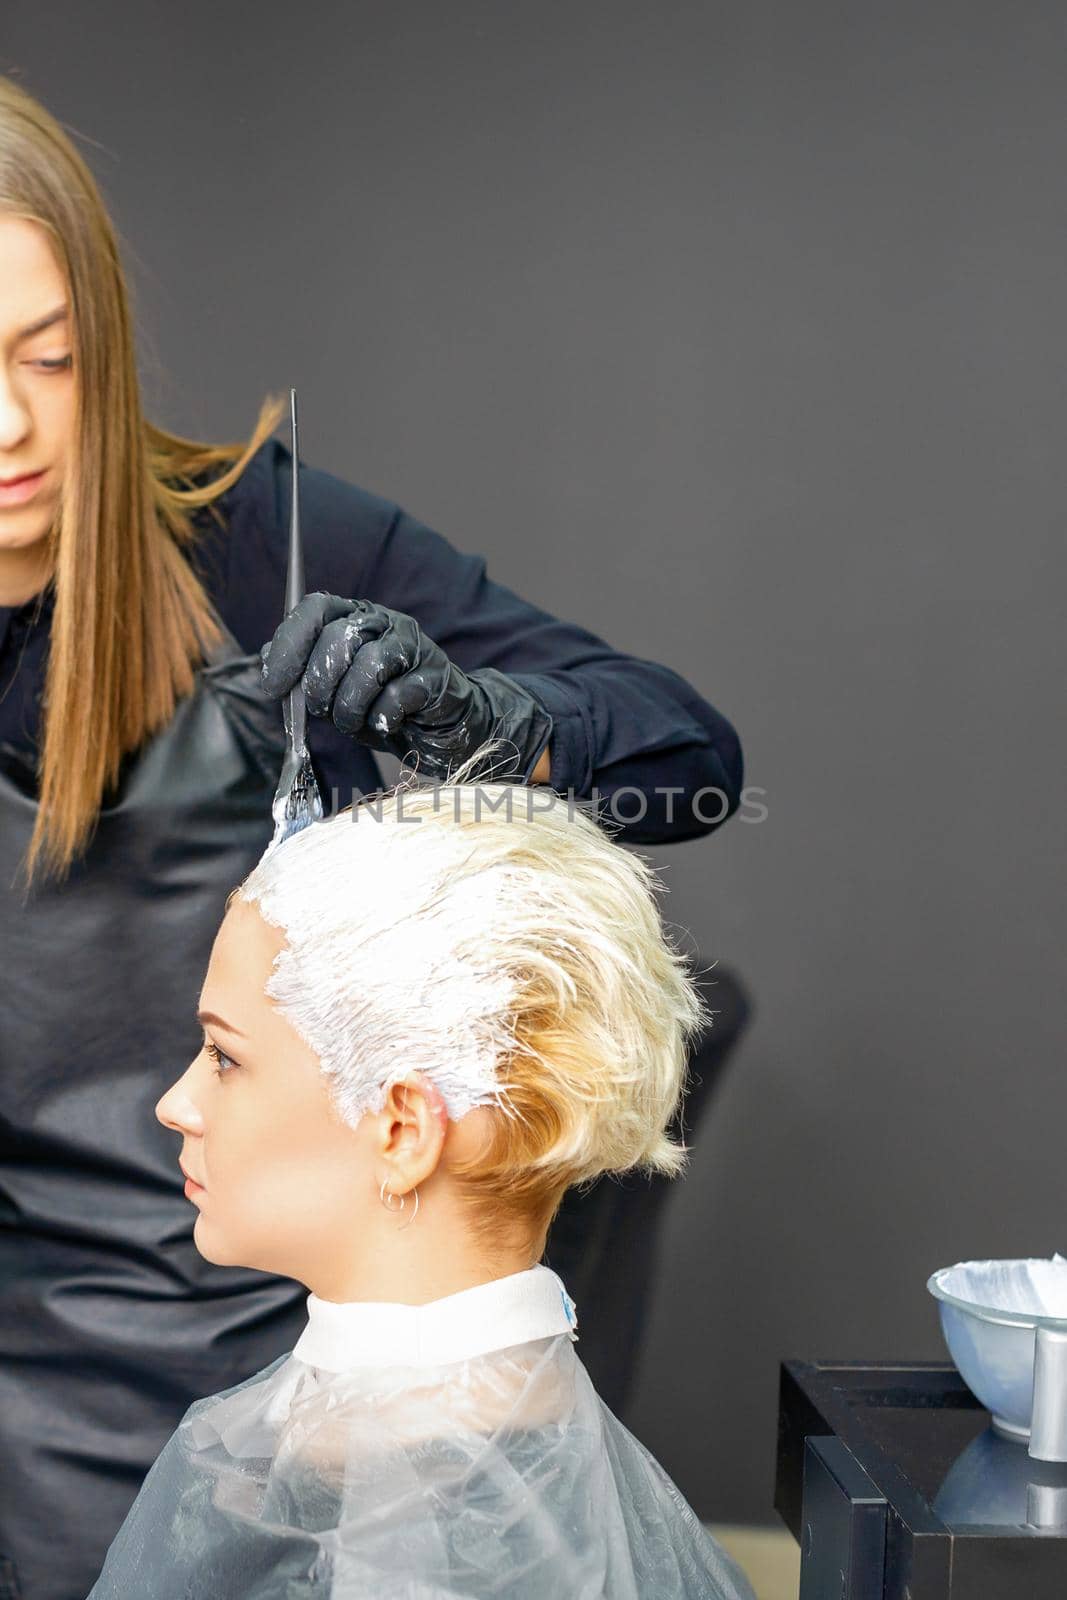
(619,721)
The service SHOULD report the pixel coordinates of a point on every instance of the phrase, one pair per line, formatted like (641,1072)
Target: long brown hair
(132,621)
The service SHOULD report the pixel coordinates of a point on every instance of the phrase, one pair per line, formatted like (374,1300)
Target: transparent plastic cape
(503,1475)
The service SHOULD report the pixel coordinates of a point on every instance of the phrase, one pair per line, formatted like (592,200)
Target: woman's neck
(436,1255)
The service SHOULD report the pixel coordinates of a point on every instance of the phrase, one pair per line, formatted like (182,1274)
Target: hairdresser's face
(276,1176)
(37,393)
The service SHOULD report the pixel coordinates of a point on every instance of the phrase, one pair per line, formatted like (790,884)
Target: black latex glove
(382,681)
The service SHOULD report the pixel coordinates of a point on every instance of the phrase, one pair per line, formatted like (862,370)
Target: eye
(59,364)
(223,1062)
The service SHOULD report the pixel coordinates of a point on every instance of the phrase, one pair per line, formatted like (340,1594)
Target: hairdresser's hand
(382,681)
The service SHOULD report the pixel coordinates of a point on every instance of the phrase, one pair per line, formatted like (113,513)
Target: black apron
(110,1321)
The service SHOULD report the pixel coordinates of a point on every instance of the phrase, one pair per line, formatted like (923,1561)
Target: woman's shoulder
(342,523)
(256,1404)
(264,490)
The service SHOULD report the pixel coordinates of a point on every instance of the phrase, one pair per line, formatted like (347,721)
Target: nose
(15,419)
(178,1110)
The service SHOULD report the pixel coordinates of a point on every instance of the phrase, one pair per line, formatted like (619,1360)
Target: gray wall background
(734,332)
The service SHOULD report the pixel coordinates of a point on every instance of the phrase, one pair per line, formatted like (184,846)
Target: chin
(22,533)
(213,1246)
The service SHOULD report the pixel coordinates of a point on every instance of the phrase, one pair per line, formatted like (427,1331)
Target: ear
(411,1129)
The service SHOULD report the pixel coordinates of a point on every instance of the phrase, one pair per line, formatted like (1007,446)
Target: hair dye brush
(297,801)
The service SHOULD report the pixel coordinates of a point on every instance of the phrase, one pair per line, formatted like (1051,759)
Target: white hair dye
(382,972)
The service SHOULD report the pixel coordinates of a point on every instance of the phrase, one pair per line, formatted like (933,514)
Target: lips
(16,490)
(189,1177)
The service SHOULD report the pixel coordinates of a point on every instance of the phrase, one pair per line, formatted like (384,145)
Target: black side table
(894,1484)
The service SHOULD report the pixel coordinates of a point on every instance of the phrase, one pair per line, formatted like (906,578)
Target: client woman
(395,1090)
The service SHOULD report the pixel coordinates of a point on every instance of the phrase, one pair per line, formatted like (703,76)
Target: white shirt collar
(491,1316)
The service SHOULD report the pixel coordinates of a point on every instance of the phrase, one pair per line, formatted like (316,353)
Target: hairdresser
(141,576)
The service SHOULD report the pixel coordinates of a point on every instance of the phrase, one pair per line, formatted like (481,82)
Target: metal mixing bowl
(990,1311)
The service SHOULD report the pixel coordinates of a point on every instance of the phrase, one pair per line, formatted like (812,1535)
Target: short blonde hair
(583,1004)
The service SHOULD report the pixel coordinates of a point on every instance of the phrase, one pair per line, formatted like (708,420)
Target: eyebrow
(209,1016)
(58,315)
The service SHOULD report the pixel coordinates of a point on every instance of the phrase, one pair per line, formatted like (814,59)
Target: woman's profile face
(277,1178)
(37,393)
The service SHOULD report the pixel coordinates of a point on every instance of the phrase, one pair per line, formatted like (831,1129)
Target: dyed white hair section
(391,962)
(495,938)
